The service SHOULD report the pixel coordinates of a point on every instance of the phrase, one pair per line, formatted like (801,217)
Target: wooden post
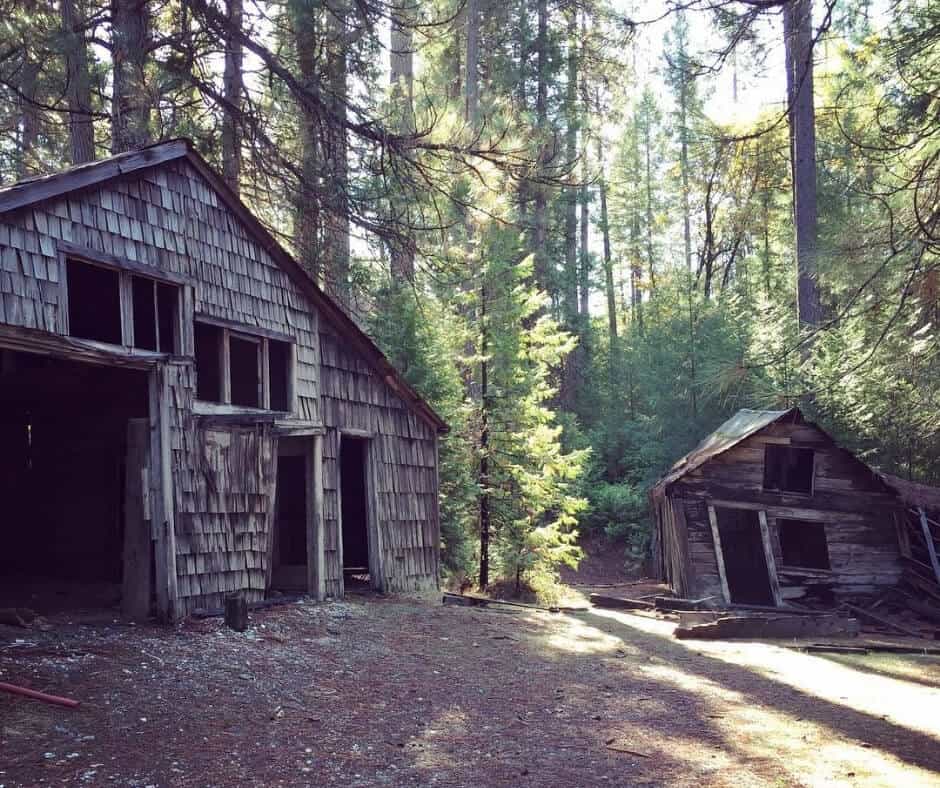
(769,555)
(316,569)
(928,538)
(713,521)
(138,545)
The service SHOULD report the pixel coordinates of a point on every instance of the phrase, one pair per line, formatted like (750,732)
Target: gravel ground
(404,692)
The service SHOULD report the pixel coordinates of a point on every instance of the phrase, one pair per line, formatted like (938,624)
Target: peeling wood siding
(857,511)
(403,455)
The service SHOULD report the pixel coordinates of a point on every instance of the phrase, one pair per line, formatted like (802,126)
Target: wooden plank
(244,328)
(885,622)
(760,627)
(620,603)
(39,189)
(719,556)
(318,562)
(769,556)
(928,538)
(136,575)
(122,263)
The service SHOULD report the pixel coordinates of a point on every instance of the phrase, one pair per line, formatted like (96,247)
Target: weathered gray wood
(138,550)
(760,627)
(122,263)
(769,557)
(719,556)
(929,541)
(318,559)
(242,328)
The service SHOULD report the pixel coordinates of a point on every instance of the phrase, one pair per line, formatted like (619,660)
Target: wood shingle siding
(162,212)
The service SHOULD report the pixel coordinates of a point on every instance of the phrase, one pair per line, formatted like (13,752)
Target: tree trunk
(78,85)
(684,168)
(650,257)
(484,476)
(541,117)
(471,80)
(28,116)
(233,86)
(608,261)
(307,217)
(401,79)
(130,100)
(798,35)
(336,186)
(571,192)
(584,268)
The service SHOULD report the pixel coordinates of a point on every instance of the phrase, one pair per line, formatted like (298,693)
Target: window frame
(126,271)
(769,446)
(262,338)
(797,523)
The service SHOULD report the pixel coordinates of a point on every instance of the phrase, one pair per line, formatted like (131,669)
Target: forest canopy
(586,231)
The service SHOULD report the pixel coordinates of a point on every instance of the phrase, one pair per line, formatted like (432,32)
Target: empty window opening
(208,341)
(279,358)
(244,363)
(804,544)
(63,481)
(145,313)
(94,296)
(167,316)
(354,510)
(788,469)
(290,533)
(742,549)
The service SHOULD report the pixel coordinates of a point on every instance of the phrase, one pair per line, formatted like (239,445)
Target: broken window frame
(262,338)
(793,524)
(768,448)
(127,271)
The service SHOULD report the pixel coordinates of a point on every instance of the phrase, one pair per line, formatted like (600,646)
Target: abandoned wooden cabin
(768,508)
(183,412)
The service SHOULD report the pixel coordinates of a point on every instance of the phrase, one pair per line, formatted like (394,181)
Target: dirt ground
(399,692)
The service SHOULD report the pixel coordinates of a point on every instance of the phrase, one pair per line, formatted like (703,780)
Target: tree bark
(541,117)
(571,192)
(130,49)
(28,116)
(307,215)
(78,85)
(401,79)
(336,186)
(471,80)
(798,35)
(584,268)
(233,86)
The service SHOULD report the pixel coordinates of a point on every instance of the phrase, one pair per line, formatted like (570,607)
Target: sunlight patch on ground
(769,727)
(579,637)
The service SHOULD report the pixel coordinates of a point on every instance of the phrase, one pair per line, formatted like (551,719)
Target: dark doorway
(742,548)
(353,454)
(63,450)
(291,509)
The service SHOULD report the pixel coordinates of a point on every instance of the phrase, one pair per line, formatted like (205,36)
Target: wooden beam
(138,544)
(319,536)
(719,556)
(769,556)
(243,328)
(43,343)
(88,255)
(38,189)
(928,538)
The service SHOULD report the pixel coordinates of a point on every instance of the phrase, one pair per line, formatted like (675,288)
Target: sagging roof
(741,425)
(913,493)
(83,176)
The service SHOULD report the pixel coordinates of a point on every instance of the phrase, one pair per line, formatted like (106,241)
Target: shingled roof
(85,176)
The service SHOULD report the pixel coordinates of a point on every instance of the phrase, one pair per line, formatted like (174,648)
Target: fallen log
(13,689)
(619,603)
(676,603)
(876,648)
(759,627)
(467,600)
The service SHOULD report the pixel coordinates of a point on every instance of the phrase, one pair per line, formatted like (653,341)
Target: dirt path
(407,692)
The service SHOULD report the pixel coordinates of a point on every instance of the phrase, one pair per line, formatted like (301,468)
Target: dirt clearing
(407,692)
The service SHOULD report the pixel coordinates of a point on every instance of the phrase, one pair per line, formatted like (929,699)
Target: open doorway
(354,511)
(64,480)
(742,550)
(292,513)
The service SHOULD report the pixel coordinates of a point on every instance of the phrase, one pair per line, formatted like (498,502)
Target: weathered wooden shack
(768,508)
(184,412)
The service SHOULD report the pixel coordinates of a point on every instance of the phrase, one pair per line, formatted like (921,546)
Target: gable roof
(740,426)
(83,176)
